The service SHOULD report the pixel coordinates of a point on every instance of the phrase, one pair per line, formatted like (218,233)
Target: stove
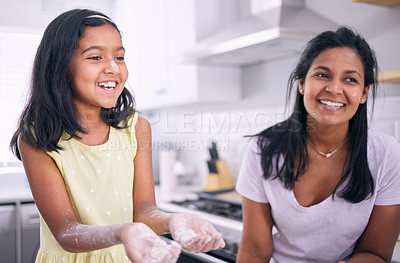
(226,216)
(215,207)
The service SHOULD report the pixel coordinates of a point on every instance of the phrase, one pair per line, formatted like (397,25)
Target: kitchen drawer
(8,233)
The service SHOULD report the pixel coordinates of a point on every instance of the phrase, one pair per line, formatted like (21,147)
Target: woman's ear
(365,94)
(301,86)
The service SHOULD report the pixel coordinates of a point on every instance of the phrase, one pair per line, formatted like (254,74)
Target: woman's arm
(379,238)
(256,244)
(204,237)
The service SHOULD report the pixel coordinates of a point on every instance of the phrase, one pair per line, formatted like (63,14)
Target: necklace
(327,155)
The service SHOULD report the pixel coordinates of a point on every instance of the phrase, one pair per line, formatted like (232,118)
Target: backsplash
(190,132)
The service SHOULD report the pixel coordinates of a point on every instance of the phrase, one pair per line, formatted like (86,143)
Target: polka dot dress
(99,181)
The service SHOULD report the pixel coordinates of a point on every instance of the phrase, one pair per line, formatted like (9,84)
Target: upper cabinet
(385,3)
(155,34)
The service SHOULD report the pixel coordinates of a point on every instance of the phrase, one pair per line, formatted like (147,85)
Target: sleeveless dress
(99,182)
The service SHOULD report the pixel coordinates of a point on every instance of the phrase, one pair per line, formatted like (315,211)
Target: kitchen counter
(15,195)
(14,185)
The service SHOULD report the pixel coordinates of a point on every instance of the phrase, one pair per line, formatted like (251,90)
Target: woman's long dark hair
(50,109)
(290,135)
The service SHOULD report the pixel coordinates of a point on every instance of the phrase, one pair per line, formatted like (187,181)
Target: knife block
(212,182)
(224,175)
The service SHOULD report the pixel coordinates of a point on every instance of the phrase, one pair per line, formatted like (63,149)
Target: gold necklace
(327,155)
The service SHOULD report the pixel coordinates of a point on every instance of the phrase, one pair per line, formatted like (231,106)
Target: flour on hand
(185,236)
(159,250)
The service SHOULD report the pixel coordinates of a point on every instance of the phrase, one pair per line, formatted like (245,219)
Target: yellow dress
(99,181)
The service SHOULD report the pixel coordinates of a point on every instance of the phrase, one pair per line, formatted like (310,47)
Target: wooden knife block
(222,180)
(212,182)
(225,177)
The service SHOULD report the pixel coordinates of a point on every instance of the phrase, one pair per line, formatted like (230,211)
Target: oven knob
(228,244)
(235,248)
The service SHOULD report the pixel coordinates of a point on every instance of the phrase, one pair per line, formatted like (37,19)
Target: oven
(223,209)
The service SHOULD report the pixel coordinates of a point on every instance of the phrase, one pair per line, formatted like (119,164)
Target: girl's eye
(95,58)
(120,58)
(322,75)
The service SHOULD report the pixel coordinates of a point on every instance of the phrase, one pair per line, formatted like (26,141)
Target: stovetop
(225,216)
(215,207)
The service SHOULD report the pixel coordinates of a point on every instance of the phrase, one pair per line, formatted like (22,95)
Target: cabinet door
(181,30)
(142,24)
(8,242)
(191,82)
(156,34)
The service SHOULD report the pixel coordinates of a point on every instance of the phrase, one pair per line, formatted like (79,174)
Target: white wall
(263,93)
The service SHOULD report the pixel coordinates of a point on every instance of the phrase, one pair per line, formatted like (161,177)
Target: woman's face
(98,72)
(334,87)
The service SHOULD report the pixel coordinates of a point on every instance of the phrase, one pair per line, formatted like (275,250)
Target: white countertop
(14,186)
(15,194)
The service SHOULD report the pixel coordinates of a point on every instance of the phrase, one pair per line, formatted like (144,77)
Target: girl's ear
(301,86)
(365,94)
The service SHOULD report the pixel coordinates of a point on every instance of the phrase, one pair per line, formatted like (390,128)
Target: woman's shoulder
(379,140)
(382,146)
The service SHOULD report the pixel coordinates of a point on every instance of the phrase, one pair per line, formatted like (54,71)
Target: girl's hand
(194,233)
(142,245)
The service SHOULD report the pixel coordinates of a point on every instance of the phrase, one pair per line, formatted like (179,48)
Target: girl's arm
(256,244)
(379,238)
(144,204)
(52,200)
(203,236)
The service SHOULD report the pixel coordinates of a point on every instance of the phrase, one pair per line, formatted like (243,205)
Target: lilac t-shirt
(327,231)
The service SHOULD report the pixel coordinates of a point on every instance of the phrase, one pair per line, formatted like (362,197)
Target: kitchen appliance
(8,230)
(30,233)
(19,217)
(273,29)
(224,210)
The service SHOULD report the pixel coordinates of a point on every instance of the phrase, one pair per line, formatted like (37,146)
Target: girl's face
(334,87)
(98,72)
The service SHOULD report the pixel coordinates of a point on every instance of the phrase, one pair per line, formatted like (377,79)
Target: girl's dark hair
(289,136)
(50,109)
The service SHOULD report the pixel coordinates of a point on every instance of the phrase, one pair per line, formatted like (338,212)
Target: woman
(321,186)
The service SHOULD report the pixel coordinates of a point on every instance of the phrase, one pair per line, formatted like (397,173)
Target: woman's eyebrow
(350,71)
(322,67)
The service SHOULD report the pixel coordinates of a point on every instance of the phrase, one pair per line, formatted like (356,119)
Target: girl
(87,154)
(322,186)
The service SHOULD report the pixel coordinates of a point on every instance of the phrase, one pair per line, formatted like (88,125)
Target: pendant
(328,155)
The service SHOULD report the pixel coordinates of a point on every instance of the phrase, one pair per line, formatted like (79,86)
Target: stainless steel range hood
(275,29)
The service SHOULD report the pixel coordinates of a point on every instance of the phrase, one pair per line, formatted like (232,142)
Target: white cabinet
(156,33)
(8,233)
(143,29)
